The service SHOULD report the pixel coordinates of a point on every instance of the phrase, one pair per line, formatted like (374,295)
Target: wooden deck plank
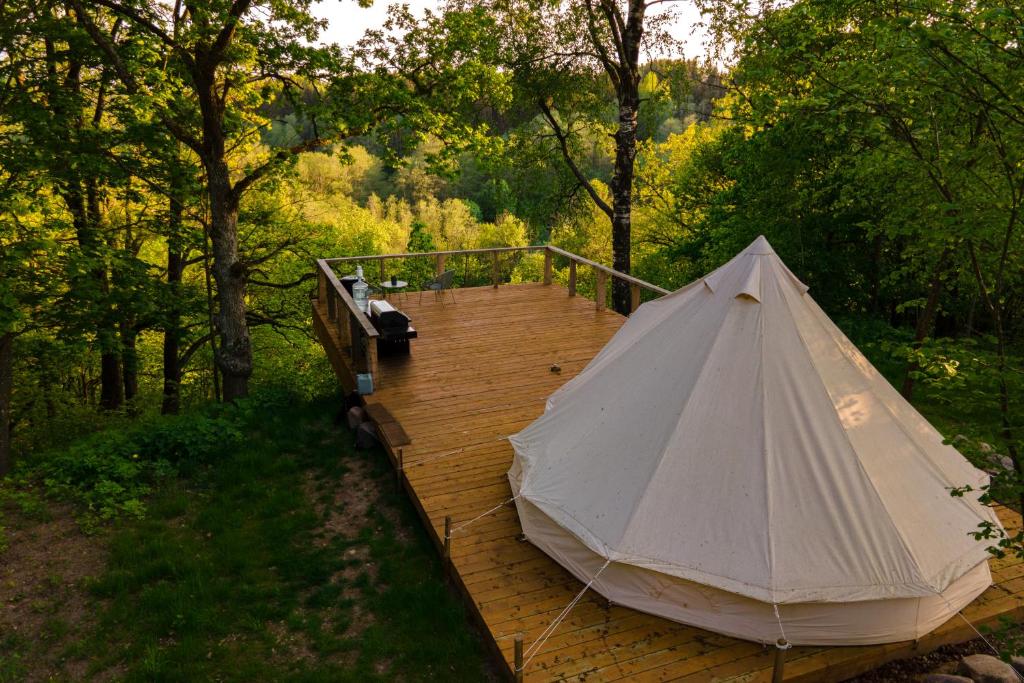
(481,370)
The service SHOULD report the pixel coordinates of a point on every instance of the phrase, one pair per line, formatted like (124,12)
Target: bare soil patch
(343,504)
(45,607)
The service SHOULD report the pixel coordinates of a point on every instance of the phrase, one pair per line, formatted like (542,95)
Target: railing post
(572,277)
(495,274)
(321,282)
(332,305)
(599,294)
(382,278)
(547,266)
(440,264)
(372,366)
(634,297)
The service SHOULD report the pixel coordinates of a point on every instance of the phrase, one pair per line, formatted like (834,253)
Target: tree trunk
(925,321)
(6,392)
(172,372)
(875,275)
(129,360)
(111,384)
(172,330)
(111,378)
(234,353)
(628,96)
(211,315)
(85,215)
(622,200)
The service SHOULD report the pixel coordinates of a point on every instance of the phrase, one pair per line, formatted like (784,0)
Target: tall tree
(57,97)
(567,57)
(22,293)
(916,113)
(27,257)
(224,62)
(924,93)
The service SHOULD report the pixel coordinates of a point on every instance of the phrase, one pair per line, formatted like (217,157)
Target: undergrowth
(110,473)
(229,566)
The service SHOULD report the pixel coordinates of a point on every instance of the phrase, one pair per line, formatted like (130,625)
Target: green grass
(231,576)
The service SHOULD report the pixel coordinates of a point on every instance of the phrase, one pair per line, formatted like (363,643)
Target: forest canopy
(169,172)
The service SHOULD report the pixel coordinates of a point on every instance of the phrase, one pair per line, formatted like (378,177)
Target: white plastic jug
(361,291)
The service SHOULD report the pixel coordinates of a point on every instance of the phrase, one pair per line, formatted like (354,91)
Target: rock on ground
(366,436)
(987,669)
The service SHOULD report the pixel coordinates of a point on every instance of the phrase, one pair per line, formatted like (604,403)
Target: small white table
(393,288)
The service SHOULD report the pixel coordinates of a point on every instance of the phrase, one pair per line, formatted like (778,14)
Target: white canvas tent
(740,466)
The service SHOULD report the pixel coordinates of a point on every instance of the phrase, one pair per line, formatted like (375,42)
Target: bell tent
(731,461)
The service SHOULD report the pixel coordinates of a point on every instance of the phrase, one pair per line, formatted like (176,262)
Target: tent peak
(760,247)
(749,269)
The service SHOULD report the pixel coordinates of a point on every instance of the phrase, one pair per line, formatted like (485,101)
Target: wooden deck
(481,370)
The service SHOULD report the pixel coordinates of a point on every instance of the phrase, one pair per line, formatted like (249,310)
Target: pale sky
(348,21)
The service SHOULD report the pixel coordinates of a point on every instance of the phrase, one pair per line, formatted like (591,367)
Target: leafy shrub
(110,473)
(104,473)
(188,441)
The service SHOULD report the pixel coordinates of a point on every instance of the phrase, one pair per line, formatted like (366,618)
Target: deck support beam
(447,544)
(399,469)
(517,660)
(372,366)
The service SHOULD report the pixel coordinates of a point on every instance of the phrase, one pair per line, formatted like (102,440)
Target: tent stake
(780,659)
(518,659)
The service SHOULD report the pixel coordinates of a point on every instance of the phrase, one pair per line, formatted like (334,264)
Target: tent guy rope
(782,630)
(534,649)
(482,515)
(974,628)
(455,451)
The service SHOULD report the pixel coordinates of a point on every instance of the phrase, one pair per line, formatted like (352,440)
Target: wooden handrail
(610,271)
(549,249)
(378,257)
(364,321)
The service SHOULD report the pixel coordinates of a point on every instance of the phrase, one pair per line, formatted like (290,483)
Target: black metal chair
(441,284)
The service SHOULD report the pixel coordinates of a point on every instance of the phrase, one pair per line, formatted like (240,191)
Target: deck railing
(358,336)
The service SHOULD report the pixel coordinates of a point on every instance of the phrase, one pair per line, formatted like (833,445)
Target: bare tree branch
(563,144)
(283,285)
